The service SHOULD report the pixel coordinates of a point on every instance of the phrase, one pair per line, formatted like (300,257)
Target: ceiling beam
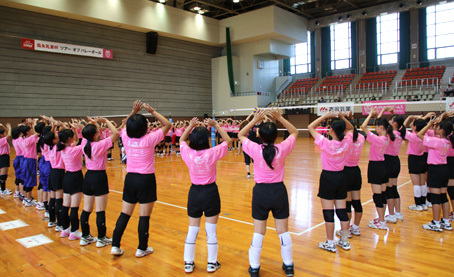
(293,9)
(212,5)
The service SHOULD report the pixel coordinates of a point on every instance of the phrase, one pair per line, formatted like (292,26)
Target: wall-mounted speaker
(152,42)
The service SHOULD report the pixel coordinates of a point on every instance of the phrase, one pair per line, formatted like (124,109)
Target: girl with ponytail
(71,154)
(417,161)
(95,185)
(377,172)
(438,170)
(269,193)
(332,185)
(44,172)
(392,162)
(28,164)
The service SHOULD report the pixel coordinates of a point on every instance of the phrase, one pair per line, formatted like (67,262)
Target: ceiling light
(162,1)
(236,1)
(196,8)
(201,12)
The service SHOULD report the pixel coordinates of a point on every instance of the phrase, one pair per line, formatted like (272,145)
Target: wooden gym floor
(405,250)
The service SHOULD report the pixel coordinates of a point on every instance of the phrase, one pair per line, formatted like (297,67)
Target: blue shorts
(44,172)
(17,166)
(29,172)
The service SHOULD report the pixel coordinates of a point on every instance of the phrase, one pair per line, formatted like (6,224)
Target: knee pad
(16,182)
(435,199)
(193,231)
(451,193)
(328,215)
(3,178)
(357,206)
(342,214)
(28,189)
(388,192)
(349,207)
(40,186)
(383,198)
(444,198)
(378,200)
(395,193)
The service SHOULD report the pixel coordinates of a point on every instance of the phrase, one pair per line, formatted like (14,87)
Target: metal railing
(249,93)
(419,84)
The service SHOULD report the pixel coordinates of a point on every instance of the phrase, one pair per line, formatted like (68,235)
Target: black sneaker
(212,267)
(288,269)
(254,272)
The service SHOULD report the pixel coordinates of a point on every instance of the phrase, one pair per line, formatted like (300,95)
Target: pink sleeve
(433,142)
(104,144)
(220,150)
(288,144)
(154,138)
(251,148)
(410,136)
(3,141)
(372,138)
(320,141)
(30,140)
(184,149)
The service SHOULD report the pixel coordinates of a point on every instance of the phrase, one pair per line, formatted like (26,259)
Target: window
(388,39)
(440,31)
(301,63)
(341,46)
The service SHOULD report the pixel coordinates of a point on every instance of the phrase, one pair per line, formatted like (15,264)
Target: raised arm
(386,109)
(372,113)
(257,117)
(410,119)
(221,131)
(113,131)
(194,122)
(136,107)
(164,122)
(289,126)
(317,122)
(427,127)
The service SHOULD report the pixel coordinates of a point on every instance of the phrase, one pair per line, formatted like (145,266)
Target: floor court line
(323,223)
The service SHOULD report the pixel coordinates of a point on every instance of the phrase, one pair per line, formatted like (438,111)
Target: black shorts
(377,173)
(353,178)
(204,199)
(393,165)
(247,158)
(332,185)
(4,161)
(73,182)
(95,183)
(139,188)
(56,179)
(425,155)
(270,197)
(451,167)
(234,135)
(177,140)
(417,164)
(168,139)
(437,176)
(230,134)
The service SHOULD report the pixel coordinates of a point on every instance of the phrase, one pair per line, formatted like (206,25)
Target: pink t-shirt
(354,151)
(140,151)
(4,146)
(178,132)
(236,129)
(415,144)
(202,164)
(99,149)
(438,149)
(429,133)
(393,147)
(451,151)
(333,152)
(17,143)
(72,157)
(29,146)
(378,146)
(55,159)
(263,173)
(45,152)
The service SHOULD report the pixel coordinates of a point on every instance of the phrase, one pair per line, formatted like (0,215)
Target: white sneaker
(7,192)
(116,251)
(428,204)
(399,216)
(212,267)
(432,226)
(354,231)
(75,235)
(331,247)
(58,228)
(103,242)
(143,253)
(87,240)
(424,207)
(391,218)
(16,194)
(189,267)
(379,225)
(344,244)
(338,233)
(46,214)
(415,207)
(29,203)
(40,206)
(51,224)
(446,225)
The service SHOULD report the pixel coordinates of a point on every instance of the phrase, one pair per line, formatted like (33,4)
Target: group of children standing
(63,185)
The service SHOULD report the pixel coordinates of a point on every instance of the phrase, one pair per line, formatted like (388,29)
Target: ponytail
(447,127)
(451,139)
(269,152)
(63,136)
(89,133)
(388,127)
(60,146)
(355,131)
(400,125)
(390,132)
(339,126)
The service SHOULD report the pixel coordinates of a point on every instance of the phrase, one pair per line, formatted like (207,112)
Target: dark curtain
(354,48)
(422,33)
(313,52)
(326,51)
(371,44)
(286,66)
(405,47)
(229,60)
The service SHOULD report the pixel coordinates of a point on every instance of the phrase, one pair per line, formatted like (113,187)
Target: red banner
(64,48)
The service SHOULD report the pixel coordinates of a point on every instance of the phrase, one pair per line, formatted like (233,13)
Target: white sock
(355,226)
(255,250)
(212,242)
(189,245)
(424,190)
(286,248)
(330,241)
(417,190)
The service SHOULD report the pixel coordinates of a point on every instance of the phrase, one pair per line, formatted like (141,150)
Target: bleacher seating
(301,86)
(376,79)
(423,76)
(336,83)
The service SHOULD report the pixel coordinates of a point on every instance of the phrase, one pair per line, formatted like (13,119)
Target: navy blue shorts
(28,166)
(17,167)
(44,173)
